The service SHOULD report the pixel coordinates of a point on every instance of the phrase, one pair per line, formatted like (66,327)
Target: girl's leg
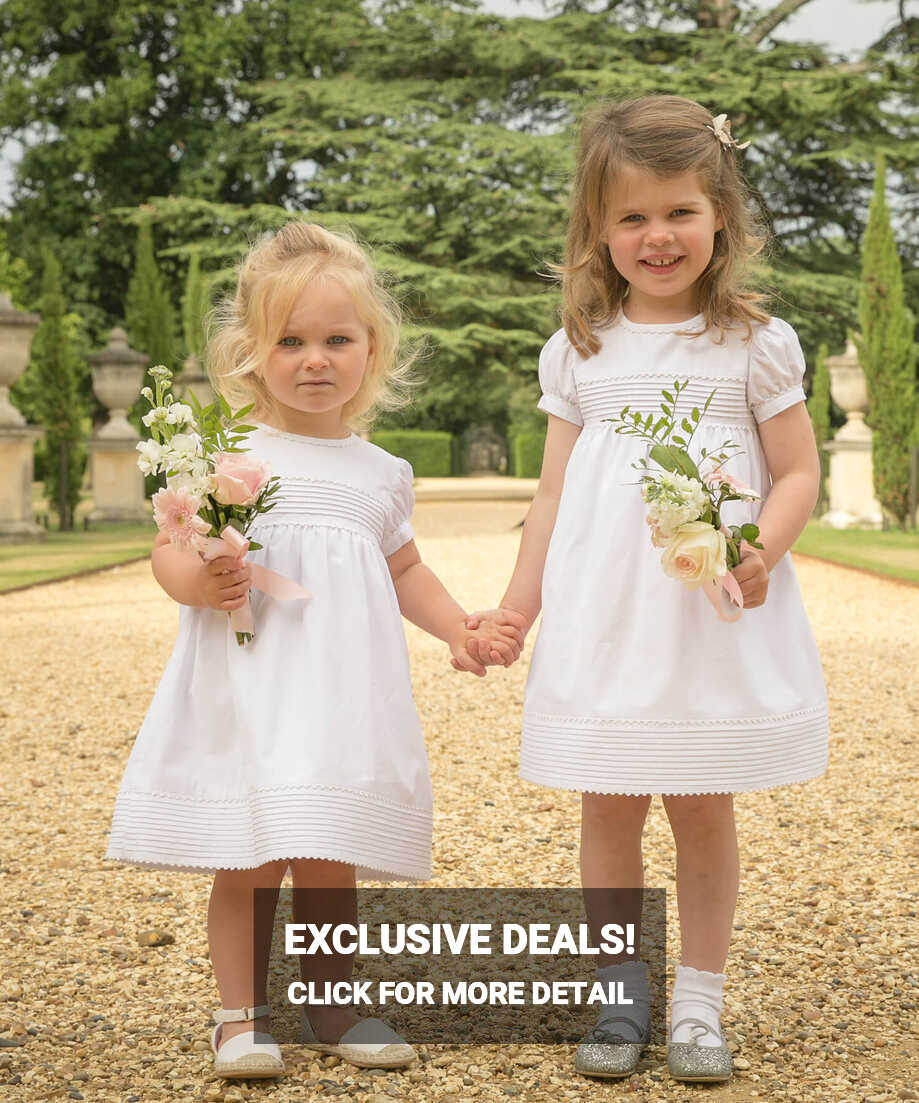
(325,892)
(240,967)
(611,830)
(707,875)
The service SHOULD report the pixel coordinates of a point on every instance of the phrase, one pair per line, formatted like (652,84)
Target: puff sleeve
(397,529)
(556,378)
(774,379)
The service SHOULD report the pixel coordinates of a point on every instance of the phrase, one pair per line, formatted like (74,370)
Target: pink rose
(175,511)
(718,477)
(239,478)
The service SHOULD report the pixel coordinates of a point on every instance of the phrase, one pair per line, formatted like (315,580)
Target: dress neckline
(323,442)
(690,324)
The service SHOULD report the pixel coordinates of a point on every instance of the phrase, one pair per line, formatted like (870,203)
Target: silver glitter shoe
(690,1061)
(603,1052)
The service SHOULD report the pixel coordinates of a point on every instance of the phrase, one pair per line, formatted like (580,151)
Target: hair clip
(720,126)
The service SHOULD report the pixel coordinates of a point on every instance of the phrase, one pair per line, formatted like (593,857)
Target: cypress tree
(818,406)
(194,307)
(148,309)
(58,406)
(887,353)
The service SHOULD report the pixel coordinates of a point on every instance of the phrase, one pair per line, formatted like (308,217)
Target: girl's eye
(632,217)
(338,340)
(289,342)
(682,211)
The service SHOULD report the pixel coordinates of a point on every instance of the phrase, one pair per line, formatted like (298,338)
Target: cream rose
(695,554)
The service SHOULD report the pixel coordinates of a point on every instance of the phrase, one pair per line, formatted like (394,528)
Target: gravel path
(823,980)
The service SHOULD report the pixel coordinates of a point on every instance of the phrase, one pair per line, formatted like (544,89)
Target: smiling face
(319,361)
(661,235)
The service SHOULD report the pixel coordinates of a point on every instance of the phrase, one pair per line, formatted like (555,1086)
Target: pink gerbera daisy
(176,513)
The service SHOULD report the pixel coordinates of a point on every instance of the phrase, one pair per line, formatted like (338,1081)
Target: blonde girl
(636,688)
(301,750)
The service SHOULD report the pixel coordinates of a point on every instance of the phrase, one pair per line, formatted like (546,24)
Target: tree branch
(769,22)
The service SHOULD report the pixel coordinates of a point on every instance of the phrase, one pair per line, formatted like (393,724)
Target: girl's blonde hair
(247,324)
(667,136)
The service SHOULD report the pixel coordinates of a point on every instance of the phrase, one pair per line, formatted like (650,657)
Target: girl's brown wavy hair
(667,136)
(246,325)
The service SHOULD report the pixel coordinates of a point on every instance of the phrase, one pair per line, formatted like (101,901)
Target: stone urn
(850,392)
(118,372)
(17,328)
(852,500)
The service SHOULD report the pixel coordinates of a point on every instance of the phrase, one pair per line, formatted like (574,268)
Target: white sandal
(249,1054)
(369,1044)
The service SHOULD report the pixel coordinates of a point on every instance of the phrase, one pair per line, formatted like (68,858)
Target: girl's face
(661,234)
(318,364)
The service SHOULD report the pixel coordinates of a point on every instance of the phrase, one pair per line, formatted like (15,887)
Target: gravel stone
(825,925)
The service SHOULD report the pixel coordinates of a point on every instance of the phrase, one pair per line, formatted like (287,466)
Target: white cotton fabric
(635,685)
(306,741)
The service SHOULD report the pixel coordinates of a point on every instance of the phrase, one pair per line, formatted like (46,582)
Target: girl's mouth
(661,266)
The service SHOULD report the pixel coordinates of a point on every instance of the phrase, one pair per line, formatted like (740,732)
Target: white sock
(633,975)
(697,998)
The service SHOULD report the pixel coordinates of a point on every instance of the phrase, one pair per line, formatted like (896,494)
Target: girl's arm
(524,591)
(424,601)
(794,466)
(221,584)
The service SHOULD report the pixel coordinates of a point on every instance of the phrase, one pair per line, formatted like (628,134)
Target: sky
(845,25)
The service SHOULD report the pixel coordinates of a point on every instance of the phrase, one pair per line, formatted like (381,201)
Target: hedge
(528,449)
(428,451)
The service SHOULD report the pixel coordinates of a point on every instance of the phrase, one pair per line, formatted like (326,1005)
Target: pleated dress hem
(674,758)
(384,840)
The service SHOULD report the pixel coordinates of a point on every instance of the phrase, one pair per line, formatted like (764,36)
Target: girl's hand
(752,576)
(512,626)
(225,583)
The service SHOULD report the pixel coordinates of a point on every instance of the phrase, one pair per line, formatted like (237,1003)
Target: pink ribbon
(231,542)
(715,591)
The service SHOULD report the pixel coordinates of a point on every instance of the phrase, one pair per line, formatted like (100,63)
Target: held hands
(224,583)
(490,638)
(752,576)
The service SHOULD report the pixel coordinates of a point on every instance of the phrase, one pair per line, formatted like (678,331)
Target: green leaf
(749,532)
(663,456)
(668,396)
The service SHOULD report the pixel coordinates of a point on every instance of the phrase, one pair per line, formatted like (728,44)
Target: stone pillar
(194,380)
(118,486)
(16,437)
(852,500)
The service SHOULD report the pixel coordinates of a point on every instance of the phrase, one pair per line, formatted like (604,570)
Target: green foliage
(428,451)
(195,305)
(148,307)
(13,273)
(58,406)
(818,406)
(887,353)
(528,450)
(440,133)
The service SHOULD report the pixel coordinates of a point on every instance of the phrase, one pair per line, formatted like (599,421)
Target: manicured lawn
(892,553)
(67,553)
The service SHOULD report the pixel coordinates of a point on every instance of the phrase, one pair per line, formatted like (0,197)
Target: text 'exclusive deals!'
(461,965)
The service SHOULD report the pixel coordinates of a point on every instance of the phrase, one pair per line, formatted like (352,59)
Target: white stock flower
(673,499)
(180,414)
(158,414)
(151,455)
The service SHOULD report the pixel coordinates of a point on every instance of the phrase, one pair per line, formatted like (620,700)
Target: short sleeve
(556,378)
(774,381)
(397,529)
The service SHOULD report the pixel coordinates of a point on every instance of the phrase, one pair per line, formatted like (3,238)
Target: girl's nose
(658,235)
(315,357)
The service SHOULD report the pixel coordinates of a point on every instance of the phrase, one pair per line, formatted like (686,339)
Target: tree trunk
(777,16)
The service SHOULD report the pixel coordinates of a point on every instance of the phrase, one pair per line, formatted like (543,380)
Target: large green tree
(887,354)
(444,134)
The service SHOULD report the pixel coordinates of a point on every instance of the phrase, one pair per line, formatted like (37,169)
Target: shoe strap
(699,1028)
(240,1014)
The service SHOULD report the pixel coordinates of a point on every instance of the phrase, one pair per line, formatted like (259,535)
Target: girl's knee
(321,873)
(614,812)
(266,876)
(700,813)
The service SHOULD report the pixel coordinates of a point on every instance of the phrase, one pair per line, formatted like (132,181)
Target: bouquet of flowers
(213,489)
(684,504)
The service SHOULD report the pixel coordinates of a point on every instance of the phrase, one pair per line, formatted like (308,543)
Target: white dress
(635,685)
(306,741)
